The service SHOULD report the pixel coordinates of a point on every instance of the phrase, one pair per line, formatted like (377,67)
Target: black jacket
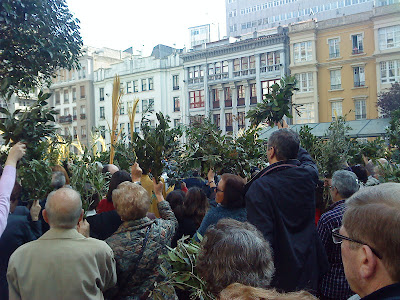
(280,202)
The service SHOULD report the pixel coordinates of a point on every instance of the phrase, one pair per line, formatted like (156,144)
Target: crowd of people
(260,239)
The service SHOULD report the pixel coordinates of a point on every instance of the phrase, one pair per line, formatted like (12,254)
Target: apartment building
(343,63)
(73,93)
(157,81)
(226,78)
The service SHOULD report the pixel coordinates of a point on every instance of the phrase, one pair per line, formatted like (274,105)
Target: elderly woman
(139,241)
(234,251)
(231,202)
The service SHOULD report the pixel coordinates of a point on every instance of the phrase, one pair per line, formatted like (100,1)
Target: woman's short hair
(195,204)
(62,170)
(238,291)
(233,191)
(117,178)
(131,201)
(233,251)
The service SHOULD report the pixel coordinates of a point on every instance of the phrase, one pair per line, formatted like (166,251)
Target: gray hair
(286,143)
(63,208)
(345,182)
(57,179)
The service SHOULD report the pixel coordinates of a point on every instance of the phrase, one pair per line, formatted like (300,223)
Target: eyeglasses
(218,190)
(338,238)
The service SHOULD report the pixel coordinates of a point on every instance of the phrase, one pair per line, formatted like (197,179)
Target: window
(211,69)
(66,100)
(102,113)
(151,104)
(83,72)
(252,62)
(102,130)
(83,112)
(177,106)
(122,109)
(137,127)
(66,111)
(121,128)
(75,131)
(336,109)
(240,95)
(196,99)
(334,51)
(83,131)
(389,37)
(175,82)
(241,119)
(135,86)
(73,94)
(151,84)
(129,87)
(359,76)
(357,41)
(177,122)
(245,63)
(390,71)
(336,80)
(215,98)
(228,97)
(74,113)
(225,66)
(304,82)
(101,94)
(236,65)
(228,122)
(306,113)
(360,109)
(217,68)
(145,105)
(82,90)
(266,86)
(144,86)
(217,120)
(57,97)
(302,51)
(253,93)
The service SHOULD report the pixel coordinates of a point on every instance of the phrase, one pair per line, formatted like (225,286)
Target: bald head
(63,208)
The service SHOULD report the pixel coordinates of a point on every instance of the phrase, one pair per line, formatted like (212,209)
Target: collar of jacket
(280,165)
(134,225)
(61,233)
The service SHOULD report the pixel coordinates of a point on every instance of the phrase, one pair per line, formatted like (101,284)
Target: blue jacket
(280,202)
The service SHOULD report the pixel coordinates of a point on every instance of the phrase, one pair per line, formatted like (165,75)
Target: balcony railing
(240,101)
(196,80)
(253,100)
(175,88)
(65,119)
(229,128)
(357,51)
(359,83)
(83,116)
(271,68)
(218,76)
(336,86)
(228,103)
(215,104)
(74,117)
(334,54)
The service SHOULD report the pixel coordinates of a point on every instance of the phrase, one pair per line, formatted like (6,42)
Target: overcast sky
(120,24)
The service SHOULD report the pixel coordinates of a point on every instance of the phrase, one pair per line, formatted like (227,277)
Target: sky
(120,24)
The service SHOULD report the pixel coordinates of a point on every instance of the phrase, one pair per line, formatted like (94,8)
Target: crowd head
(131,201)
(117,178)
(234,251)
(285,142)
(345,182)
(230,191)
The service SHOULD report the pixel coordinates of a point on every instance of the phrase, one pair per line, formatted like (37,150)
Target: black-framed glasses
(338,238)
(218,190)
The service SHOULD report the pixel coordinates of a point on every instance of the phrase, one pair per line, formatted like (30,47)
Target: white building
(157,81)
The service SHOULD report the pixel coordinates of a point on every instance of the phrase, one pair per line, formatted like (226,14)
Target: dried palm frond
(116,103)
(131,115)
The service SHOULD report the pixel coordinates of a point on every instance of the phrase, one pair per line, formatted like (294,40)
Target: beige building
(342,64)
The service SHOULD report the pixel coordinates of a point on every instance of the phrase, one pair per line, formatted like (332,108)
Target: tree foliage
(276,104)
(389,101)
(37,37)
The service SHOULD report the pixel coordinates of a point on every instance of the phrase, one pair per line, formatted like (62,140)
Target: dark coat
(280,202)
(103,225)
(20,230)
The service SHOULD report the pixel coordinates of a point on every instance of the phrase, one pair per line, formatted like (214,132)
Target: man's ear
(81,217)
(368,262)
(45,217)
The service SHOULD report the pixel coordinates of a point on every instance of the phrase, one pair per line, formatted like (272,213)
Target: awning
(359,128)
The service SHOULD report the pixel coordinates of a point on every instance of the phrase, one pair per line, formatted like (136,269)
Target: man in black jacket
(280,202)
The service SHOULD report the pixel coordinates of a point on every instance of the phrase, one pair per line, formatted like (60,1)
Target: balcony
(335,54)
(357,51)
(359,83)
(336,86)
(271,68)
(253,100)
(175,88)
(229,128)
(83,116)
(218,76)
(196,80)
(65,119)
(74,117)
(228,103)
(240,102)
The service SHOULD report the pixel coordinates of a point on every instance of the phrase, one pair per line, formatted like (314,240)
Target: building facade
(73,93)
(343,63)
(224,80)
(156,81)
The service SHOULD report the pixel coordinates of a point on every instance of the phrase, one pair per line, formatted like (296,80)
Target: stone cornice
(236,47)
(346,61)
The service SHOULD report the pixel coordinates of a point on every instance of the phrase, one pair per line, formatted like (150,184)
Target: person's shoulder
(98,244)
(24,250)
